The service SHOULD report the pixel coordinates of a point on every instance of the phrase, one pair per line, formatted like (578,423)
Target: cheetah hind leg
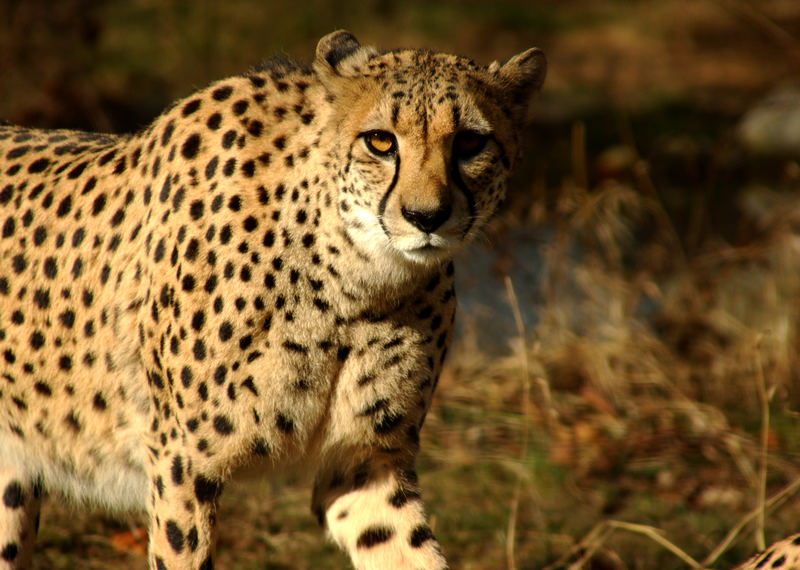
(19,519)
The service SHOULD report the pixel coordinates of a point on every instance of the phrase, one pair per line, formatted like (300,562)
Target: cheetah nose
(427,220)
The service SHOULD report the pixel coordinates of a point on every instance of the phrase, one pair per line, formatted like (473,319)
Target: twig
(771,503)
(761,542)
(526,391)
(601,531)
(779,34)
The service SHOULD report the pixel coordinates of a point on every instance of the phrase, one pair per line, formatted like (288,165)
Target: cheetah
(260,279)
(784,554)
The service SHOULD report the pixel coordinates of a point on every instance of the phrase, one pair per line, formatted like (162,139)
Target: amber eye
(468,144)
(380,143)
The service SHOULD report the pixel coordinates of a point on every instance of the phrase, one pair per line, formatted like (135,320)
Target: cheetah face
(428,143)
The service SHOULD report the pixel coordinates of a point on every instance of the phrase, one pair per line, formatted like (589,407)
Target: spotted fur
(784,554)
(260,278)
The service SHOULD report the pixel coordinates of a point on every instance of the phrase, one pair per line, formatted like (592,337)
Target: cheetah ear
(339,47)
(521,77)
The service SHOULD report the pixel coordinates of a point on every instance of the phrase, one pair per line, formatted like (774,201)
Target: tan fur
(784,554)
(247,283)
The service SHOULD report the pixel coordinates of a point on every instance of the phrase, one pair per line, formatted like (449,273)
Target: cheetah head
(425,142)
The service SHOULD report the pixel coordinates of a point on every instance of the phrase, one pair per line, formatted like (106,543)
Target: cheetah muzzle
(262,277)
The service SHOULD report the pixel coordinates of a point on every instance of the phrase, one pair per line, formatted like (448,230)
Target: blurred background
(623,391)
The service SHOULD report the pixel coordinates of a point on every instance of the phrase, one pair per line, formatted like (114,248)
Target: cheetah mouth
(428,252)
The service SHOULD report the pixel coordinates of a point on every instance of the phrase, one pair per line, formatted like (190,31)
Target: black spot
(50,267)
(176,470)
(211,168)
(98,204)
(249,384)
(191,250)
(269,238)
(192,539)
(72,421)
(9,226)
(240,107)
(99,403)
(9,552)
(119,166)
(401,497)
(191,107)
(419,535)
(38,165)
(223,425)
(392,343)
(374,535)
(225,234)
(177,198)
(249,168)
(222,93)
(214,121)
(294,347)
(190,146)
(230,167)
(779,562)
(198,320)
(14,495)
(19,263)
(206,490)
(64,207)
(388,423)
(42,298)
(37,340)
(228,139)
(199,350)
(43,388)
(65,363)
(174,536)
(196,209)
(78,236)
(260,447)
(245,342)
(255,128)
(39,235)
(219,374)
(89,186)
(77,268)
(285,424)
(167,134)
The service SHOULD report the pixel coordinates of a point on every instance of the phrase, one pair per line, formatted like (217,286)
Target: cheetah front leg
(183,516)
(374,512)
(19,519)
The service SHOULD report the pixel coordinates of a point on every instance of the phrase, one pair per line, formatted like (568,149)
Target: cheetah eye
(467,144)
(380,143)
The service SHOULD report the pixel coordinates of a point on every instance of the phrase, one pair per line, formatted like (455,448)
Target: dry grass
(673,376)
